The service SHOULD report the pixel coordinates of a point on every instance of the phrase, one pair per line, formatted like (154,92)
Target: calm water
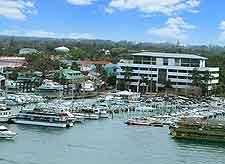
(104,142)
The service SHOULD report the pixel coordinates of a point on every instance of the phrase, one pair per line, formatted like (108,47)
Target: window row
(179,77)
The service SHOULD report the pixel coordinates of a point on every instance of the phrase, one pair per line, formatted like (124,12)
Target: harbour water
(105,142)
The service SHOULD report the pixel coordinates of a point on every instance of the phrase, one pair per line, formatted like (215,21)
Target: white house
(160,67)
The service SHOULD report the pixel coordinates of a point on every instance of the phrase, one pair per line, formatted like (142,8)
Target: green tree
(196,78)
(111,80)
(168,86)
(127,75)
(144,82)
(121,85)
(206,78)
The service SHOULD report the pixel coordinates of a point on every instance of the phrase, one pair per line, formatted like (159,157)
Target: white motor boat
(101,112)
(5,133)
(5,113)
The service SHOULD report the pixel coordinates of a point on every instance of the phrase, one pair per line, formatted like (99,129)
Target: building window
(165,61)
(135,68)
(152,69)
(137,59)
(182,77)
(144,69)
(182,71)
(185,62)
(177,62)
(135,74)
(195,62)
(180,83)
(146,60)
(172,77)
(153,60)
(172,70)
(152,75)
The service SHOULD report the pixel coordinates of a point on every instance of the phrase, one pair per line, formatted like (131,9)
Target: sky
(189,21)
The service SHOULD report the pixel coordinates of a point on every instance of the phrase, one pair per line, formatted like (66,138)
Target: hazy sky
(190,21)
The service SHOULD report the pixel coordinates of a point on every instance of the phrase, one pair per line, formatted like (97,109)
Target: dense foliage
(48,59)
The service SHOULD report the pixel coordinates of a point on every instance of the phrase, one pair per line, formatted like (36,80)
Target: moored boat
(43,117)
(5,113)
(5,133)
(199,129)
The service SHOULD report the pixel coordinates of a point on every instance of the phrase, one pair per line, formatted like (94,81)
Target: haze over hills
(36,42)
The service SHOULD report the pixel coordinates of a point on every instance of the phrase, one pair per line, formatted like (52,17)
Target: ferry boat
(43,117)
(5,113)
(5,133)
(198,128)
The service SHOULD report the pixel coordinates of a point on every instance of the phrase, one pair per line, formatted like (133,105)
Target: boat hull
(197,134)
(138,123)
(104,115)
(7,134)
(47,124)
(87,116)
(4,119)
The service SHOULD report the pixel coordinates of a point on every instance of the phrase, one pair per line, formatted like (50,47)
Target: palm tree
(144,80)
(168,86)
(196,78)
(201,80)
(150,83)
(127,74)
(206,78)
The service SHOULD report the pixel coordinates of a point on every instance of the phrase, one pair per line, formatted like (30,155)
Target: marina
(141,124)
(103,141)
(112,82)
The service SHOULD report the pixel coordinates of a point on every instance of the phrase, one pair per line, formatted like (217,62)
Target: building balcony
(180,80)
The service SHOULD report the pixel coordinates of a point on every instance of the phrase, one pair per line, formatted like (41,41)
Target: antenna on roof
(178,47)
(178,44)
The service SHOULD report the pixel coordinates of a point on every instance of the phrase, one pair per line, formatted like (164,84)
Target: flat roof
(169,55)
(97,62)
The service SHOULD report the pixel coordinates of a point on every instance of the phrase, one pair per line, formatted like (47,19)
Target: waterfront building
(159,68)
(70,75)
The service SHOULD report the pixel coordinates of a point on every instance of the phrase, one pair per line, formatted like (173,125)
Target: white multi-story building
(162,67)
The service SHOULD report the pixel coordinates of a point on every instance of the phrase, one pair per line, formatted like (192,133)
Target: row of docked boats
(22,99)
(53,114)
(39,117)
(79,109)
